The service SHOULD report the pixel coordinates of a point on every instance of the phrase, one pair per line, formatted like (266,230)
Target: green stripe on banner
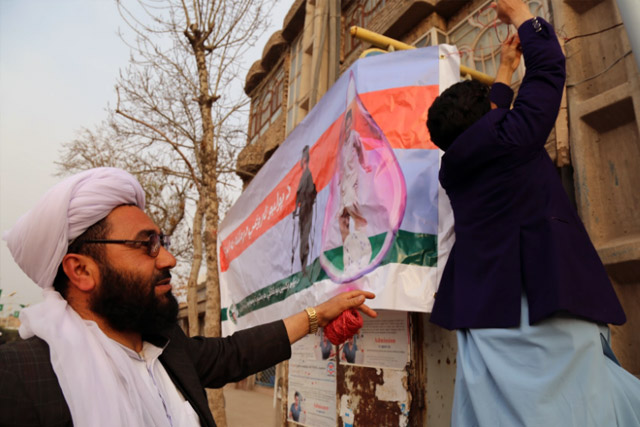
(408,248)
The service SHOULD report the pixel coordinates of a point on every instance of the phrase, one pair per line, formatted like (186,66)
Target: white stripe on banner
(411,287)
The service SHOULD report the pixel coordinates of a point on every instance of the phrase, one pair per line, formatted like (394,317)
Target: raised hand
(513,12)
(511,52)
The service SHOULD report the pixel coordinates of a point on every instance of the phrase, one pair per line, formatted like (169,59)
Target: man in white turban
(103,348)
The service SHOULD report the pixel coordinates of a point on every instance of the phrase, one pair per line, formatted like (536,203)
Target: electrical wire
(567,40)
(601,72)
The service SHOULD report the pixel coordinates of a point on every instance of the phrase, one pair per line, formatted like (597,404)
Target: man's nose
(165,259)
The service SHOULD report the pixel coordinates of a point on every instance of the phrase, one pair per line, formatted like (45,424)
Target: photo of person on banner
(324,346)
(367,196)
(296,407)
(305,201)
(349,350)
(356,245)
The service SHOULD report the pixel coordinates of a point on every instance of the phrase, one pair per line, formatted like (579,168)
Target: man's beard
(129,303)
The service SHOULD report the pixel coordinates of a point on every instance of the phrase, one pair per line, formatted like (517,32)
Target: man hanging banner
(350,200)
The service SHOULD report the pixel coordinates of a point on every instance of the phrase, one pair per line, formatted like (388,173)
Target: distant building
(594,144)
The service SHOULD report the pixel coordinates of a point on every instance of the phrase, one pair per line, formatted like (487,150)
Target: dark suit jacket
(31,396)
(515,227)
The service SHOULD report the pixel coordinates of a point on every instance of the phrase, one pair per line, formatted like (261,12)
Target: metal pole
(385,42)
(334,40)
(630,12)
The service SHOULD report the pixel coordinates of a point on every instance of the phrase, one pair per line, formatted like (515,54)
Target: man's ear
(82,271)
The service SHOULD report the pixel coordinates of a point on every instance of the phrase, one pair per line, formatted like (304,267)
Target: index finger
(510,39)
(368,310)
(356,293)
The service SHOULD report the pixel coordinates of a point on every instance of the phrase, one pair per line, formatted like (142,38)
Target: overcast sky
(58,66)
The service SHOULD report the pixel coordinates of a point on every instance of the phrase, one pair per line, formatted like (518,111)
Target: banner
(350,200)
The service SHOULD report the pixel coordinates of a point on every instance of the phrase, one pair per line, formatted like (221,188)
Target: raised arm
(509,60)
(536,107)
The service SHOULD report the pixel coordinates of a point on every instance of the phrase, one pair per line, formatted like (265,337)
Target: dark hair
(99,230)
(455,110)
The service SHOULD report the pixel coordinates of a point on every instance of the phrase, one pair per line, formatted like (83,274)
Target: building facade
(595,145)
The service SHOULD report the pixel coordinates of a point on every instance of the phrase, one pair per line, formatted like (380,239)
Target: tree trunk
(208,157)
(192,285)
(212,324)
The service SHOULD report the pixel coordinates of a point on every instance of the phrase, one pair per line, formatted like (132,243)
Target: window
(267,106)
(361,16)
(433,37)
(478,38)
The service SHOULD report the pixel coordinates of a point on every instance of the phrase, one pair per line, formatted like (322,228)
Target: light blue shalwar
(552,374)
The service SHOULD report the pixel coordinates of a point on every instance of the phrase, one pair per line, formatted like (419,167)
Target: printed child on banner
(367,196)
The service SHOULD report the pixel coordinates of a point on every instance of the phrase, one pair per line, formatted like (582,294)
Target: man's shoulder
(29,390)
(27,359)
(29,351)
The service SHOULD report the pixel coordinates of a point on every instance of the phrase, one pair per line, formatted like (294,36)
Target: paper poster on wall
(382,342)
(312,382)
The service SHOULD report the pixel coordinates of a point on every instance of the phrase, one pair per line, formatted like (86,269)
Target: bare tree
(176,122)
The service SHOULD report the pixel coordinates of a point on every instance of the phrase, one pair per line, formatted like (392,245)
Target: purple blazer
(515,227)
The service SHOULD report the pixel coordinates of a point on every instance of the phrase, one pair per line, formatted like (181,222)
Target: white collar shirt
(178,410)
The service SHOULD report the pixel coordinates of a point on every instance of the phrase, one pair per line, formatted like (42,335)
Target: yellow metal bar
(378,40)
(385,42)
(476,75)
(372,51)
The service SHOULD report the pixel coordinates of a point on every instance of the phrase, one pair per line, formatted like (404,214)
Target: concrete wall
(603,100)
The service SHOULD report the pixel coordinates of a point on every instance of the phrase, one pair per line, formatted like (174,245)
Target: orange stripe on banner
(281,201)
(401,113)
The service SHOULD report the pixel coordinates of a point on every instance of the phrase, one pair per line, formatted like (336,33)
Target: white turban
(41,237)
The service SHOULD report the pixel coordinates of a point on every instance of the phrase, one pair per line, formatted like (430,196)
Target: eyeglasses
(153,244)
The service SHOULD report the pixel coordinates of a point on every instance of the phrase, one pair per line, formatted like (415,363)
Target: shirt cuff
(534,27)
(501,95)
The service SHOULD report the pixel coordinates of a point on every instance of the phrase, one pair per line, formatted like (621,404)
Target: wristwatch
(313,319)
